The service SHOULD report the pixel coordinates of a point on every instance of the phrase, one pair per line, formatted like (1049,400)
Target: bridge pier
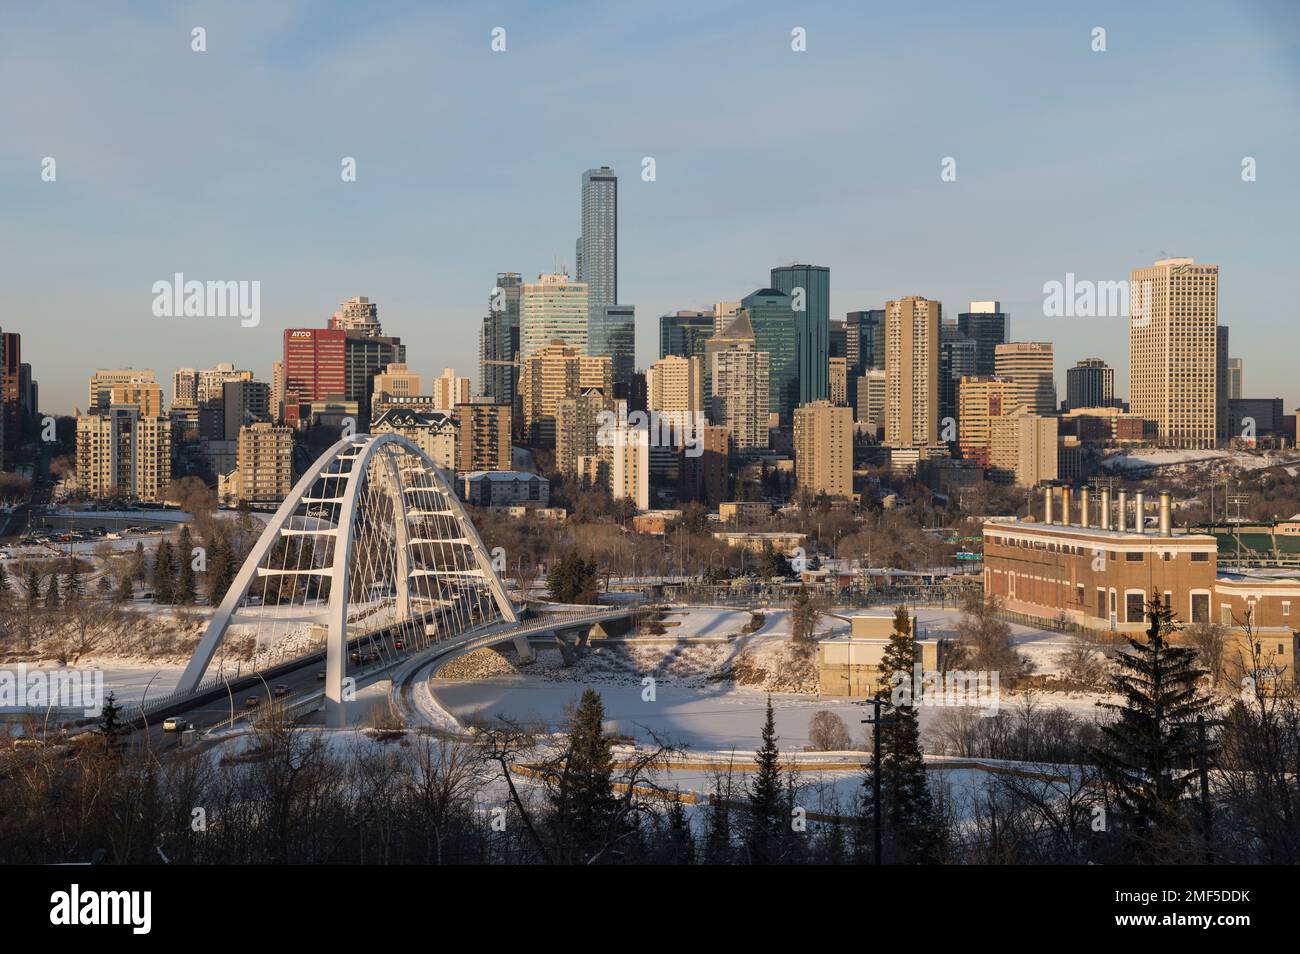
(524,649)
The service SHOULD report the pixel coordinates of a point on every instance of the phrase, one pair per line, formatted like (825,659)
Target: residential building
(450,390)
(912,372)
(121,452)
(823,449)
(483,433)
(549,375)
(434,432)
(1023,447)
(265,456)
(504,488)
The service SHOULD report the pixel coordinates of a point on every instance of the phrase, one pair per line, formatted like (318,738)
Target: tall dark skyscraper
(957,355)
(684,333)
(1222,380)
(498,350)
(864,341)
(988,326)
(1090,383)
(616,337)
(812,326)
(775,332)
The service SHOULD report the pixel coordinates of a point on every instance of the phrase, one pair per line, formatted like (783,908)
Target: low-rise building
(504,488)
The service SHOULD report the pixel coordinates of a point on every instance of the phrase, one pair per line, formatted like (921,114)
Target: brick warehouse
(1097,566)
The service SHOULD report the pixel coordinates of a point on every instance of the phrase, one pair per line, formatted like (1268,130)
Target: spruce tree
(125,590)
(909,831)
(1148,755)
(33,587)
(185,588)
(220,573)
(680,838)
(111,729)
(139,567)
(52,591)
(717,838)
(105,587)
(72,589)
(164,574)
(583,803)
(765,825)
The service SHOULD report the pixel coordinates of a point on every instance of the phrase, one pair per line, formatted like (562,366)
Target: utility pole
(875,722)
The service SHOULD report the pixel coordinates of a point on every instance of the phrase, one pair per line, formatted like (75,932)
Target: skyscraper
(1236,373)
(1029,365)
(685,332)
(450,390)
(774,324)
(912,372)
(864,340)
(676,384)
(612,334)
(988,326)
(555,307)
(598,244)
(498,350)
(957,355)
(737,385)
(1221,381)
(812,312)
(1174,307)
(1090,383)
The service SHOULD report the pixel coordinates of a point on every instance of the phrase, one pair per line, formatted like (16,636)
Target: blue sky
(225,165)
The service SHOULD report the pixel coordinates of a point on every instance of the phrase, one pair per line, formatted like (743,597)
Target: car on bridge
(281,689)
(252,702)
(176,724)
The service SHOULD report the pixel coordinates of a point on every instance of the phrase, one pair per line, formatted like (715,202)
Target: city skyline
(432,217)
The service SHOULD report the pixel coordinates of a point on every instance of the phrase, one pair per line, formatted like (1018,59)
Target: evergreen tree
(221,569)
(680,839)
(33,587)
(582,802)
(52,591)
(72,589)
(105,587)
(164,574)
(125,590)
(1148,755)
(185,588)
(765,825)
(573,579)
(111,729)
(909,831)
(717,838)
(139,567)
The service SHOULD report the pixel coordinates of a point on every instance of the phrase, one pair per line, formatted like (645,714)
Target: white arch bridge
(373,554)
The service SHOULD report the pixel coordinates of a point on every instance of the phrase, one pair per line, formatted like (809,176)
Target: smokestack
(1122,524)
(1084,516)
(1140,514)
(1166,525)
(1065,506)
(1047,505)
(1105,508)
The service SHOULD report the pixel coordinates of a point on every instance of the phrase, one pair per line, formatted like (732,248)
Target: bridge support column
(524,649)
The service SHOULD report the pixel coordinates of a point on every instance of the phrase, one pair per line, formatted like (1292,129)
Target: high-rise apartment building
(450,390)
(434,432)
(809,288)
(985,323)
(912,372)
(870,405)
(185,388)
(823,449)
(676,384)
(739,381)
(265,462)
(1023,447)
(1221,382)
(243,403)
(628,449)
(838,380)
(100,390)
(775,328)
(1029,365)
(1174,307)
(552,373)
(1090,383)
(145,395)
(484,431)
(358,316)
(577,429)
(553,308)
(120,452)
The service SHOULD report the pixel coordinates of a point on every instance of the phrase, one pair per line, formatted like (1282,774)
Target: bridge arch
(371,550)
